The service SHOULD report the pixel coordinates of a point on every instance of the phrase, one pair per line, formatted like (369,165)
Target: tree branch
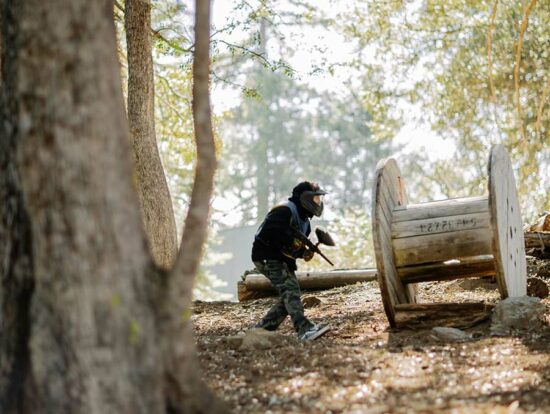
(541,105)
(523,28)
(194,233)
(156,34)
(252,52)
(490,51)
(493,96)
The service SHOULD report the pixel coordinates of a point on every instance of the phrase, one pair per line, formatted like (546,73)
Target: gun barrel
(324,257)
(313,247)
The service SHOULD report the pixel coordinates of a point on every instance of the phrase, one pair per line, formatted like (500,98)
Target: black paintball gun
(322,238)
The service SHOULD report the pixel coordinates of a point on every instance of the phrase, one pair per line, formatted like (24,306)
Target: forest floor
(363,366)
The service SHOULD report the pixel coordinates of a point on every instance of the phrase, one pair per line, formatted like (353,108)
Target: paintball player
(274,253)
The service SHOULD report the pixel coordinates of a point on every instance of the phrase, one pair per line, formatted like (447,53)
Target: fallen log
(256,286)
(458,315)
(537,239)
(537,244)
(542,224)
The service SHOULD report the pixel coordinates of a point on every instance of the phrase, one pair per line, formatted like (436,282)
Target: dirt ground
(362,366)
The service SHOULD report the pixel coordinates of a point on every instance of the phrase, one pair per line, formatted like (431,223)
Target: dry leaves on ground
(361,366)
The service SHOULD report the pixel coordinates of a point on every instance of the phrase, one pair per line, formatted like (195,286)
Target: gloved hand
(308,255)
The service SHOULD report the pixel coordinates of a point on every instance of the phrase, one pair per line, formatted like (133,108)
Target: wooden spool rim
(505,221)
(388,192)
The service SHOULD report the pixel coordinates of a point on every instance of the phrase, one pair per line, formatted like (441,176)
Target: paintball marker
(322,238)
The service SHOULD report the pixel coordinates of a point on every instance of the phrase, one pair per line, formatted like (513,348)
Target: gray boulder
(445,334)
(260,339)
(517,314)
(310,301)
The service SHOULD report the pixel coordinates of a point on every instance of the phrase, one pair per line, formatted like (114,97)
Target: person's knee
(291,296)
(291,286)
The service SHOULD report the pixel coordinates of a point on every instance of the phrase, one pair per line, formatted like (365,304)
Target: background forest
(323,90)
(115,171)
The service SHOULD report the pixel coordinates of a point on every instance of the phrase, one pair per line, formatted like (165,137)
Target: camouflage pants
(289,303)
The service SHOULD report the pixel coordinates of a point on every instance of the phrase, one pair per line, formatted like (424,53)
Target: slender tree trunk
(179,352)
(88,324)
(262,177)
(152,188)
(262,166)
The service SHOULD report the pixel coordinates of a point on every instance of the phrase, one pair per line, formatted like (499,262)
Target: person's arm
(277,232)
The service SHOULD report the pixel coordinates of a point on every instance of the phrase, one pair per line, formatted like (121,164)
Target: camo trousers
(289,303)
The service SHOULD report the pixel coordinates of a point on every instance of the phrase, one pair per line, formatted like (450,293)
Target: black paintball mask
(310,196)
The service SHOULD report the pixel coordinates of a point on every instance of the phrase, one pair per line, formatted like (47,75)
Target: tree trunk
(256,285)
(262,177)
(263,169)
(89,324)
(179,352)
(154,196)
(16,276)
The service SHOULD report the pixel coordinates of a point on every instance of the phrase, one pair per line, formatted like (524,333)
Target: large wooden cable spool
(447,239)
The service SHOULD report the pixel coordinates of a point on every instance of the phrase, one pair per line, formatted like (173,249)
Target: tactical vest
(296,221)
(301,224)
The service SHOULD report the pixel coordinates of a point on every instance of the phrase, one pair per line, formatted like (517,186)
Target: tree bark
(180,354)
(154,196)
(257,285)
(262,145)
(16,282)
(89,324)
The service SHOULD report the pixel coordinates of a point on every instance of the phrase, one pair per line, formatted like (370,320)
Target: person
(274,253)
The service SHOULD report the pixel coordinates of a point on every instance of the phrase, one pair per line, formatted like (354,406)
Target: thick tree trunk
(16,276)
(154,195)
(88,324)
(86,320)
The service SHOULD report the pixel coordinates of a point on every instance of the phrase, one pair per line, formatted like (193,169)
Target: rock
(234,341)
(537,287)
(517,314)
(310,301)
(260,339)
(445,334)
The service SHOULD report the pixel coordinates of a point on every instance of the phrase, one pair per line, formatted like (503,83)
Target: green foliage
(291,133)
(265,138)
(352,232)
(186,315)
(174,127)
(135,332)
(348,144)
(172,57)
(115,301)
(436,54)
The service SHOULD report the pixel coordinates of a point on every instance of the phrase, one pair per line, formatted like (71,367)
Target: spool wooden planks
(446,239)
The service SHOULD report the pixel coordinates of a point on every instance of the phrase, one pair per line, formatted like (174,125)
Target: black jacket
(276,235)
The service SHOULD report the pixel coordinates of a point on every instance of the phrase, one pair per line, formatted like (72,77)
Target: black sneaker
(314,332)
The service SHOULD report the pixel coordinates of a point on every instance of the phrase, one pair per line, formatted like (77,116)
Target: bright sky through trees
(320,48)
(420,70)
